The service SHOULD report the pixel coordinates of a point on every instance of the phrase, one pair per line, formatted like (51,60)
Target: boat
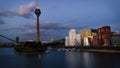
(29,48)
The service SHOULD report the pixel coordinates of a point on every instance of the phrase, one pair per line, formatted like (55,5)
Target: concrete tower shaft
(37,13)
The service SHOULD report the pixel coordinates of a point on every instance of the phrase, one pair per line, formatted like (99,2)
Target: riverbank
(105,49)
(7,45)
(28,52)
(109,49)
(102,50)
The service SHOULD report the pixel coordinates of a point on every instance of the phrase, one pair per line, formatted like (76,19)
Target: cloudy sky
(17,17)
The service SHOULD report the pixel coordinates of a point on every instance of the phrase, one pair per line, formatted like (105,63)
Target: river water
(58,59)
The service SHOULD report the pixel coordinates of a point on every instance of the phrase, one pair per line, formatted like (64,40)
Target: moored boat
(29,48)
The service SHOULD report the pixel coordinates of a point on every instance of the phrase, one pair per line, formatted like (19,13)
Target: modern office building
(73,38)
(115,41)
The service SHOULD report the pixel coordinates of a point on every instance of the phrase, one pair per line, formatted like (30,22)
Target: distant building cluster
(93,37)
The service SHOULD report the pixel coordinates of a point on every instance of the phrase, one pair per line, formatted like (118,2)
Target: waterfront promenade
(107,49)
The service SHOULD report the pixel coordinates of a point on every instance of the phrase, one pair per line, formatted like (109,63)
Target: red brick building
(103,36)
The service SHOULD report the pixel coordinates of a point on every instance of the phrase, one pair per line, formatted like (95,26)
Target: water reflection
(87,59)
(78,59)
(33,61)
(58,59)
(9,59)
(92,60)
(106,60)
(73,59)
(6,51)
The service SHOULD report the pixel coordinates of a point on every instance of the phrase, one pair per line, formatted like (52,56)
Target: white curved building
(73,38)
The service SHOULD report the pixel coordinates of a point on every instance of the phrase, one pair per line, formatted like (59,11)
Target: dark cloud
(11,28)
(33,32)
(28,32)
(52,25)
(55,26)
(2,22)
(4,13)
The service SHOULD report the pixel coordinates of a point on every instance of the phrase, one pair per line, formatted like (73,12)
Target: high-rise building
(73,38)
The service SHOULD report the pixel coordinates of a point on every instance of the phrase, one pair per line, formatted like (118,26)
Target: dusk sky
(57,17)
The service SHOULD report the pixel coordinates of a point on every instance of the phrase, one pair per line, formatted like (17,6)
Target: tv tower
(37,13)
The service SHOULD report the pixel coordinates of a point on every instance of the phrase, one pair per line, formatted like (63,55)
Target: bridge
(10,38)
(8,44)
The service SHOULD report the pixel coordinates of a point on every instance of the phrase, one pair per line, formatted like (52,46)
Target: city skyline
(57,18)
